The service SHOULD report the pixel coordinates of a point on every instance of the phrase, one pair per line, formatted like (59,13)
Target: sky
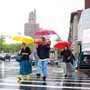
(51,14)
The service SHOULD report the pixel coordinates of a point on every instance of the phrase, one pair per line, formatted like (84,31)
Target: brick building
(31,26)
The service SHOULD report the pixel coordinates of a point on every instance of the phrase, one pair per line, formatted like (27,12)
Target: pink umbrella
(44,32)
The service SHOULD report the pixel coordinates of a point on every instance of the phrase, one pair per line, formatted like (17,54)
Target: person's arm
(25,53)
(71,56)
(20,51)
(48,47)
(29,51)
(38,51)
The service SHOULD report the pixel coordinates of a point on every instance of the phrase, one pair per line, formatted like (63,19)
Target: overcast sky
(51,14)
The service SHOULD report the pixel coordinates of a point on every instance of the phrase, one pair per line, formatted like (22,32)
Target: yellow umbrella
(23,38)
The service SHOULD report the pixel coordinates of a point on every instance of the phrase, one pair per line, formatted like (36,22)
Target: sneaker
(65,75)
(44,78)
(38,75)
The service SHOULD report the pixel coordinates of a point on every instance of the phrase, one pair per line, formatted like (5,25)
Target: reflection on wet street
(79,80)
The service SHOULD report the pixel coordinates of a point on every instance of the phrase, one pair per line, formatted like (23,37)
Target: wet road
(55,79)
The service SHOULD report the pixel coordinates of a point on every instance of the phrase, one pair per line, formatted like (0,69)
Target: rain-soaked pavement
(55,80)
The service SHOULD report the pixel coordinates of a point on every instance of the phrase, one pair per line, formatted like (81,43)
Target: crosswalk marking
(56,78)
(14,80)
(44,86)
(52,82)
(55,82)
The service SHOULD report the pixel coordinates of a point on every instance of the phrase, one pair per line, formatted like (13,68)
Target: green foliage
(14,47)
(32,46)
(58,39)
(2,41)
(11,47)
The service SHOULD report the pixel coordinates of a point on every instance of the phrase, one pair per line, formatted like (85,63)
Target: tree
(58,38)
(58,50)
(11,47)
(32,46)
(15,47)
(2,41)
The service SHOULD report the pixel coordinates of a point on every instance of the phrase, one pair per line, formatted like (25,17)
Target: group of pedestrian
(41,55)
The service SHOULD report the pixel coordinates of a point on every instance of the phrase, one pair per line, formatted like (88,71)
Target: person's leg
(36,63)
(39,68)
(21,64)
(28,69)
(44,69)
(64,68)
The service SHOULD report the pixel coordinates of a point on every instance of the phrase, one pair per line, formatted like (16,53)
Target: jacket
(43,51)
(26,50)
(67,56)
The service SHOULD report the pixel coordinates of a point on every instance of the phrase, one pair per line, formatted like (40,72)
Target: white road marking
(44,86)
(55,82)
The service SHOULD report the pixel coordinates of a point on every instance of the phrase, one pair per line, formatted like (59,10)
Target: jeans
(42,67)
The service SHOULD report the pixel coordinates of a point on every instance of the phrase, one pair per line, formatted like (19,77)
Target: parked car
(13,56)
(5,56)
(2,58)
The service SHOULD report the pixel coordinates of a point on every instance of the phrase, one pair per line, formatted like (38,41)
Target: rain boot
(28,77)
(19,77)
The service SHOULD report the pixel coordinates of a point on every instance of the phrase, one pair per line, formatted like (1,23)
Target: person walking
(25,64)
(36,58)
(67,60)
(43,54)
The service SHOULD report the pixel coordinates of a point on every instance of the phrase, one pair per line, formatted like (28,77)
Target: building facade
(72,38)
(87,4)
(74,19)
(31,27)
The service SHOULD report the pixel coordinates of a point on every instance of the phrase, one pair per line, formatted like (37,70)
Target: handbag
(74,64)
(19,57)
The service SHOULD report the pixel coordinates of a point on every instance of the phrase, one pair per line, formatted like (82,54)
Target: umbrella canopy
(39,41)
(44,32)
(23,38)
(62,44)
